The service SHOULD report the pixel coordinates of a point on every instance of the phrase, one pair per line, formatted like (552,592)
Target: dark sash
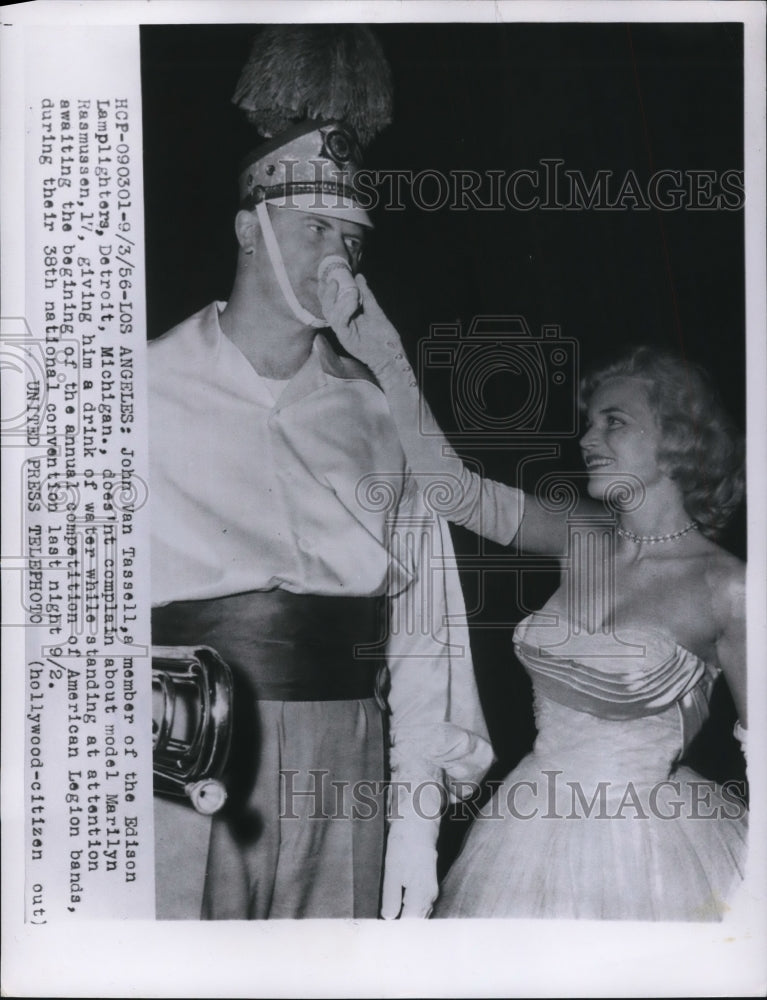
(287,647)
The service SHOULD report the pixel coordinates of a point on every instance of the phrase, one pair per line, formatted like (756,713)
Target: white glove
(360,325)
(410,885)
(410,868)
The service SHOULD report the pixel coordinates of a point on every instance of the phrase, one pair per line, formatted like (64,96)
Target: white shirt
(312,494)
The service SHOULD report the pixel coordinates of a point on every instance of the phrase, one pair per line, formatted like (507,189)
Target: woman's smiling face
(622,436)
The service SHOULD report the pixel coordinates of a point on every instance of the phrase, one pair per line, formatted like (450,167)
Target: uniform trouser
(308,839)
(305,720)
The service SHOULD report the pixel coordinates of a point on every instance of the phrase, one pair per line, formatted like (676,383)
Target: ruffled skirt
(548,846)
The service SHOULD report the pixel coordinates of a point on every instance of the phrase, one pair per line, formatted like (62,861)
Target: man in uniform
(284,522)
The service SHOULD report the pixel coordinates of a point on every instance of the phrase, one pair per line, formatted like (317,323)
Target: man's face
(305,239)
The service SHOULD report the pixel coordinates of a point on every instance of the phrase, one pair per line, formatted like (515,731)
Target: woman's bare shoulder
(725,576)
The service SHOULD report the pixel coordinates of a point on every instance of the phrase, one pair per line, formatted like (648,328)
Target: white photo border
(446,958)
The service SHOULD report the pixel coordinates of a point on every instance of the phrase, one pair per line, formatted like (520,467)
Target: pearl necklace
(652,539)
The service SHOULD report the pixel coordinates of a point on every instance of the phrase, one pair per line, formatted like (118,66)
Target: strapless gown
(597,822)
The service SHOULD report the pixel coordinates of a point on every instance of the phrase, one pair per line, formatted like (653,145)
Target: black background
(494,97)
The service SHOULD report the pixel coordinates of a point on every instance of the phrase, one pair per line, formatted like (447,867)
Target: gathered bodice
(597,823)
(610,705)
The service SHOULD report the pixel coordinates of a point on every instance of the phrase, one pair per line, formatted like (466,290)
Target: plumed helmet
(318,93)
(310,167)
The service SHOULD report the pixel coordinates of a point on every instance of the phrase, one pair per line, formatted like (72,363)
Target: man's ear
(246,227)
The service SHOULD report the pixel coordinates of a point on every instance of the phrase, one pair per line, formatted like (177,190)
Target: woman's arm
(487,507)
(728,594)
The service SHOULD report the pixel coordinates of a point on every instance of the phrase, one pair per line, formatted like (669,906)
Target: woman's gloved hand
(358,321)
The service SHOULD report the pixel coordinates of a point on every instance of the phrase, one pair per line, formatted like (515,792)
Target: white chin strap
(275,256)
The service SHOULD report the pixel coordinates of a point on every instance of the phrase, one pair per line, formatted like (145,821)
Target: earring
(249,251)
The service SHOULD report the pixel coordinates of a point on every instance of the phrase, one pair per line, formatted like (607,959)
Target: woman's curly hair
(701,448)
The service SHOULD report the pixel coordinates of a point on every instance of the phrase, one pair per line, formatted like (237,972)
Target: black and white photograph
(391,437)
